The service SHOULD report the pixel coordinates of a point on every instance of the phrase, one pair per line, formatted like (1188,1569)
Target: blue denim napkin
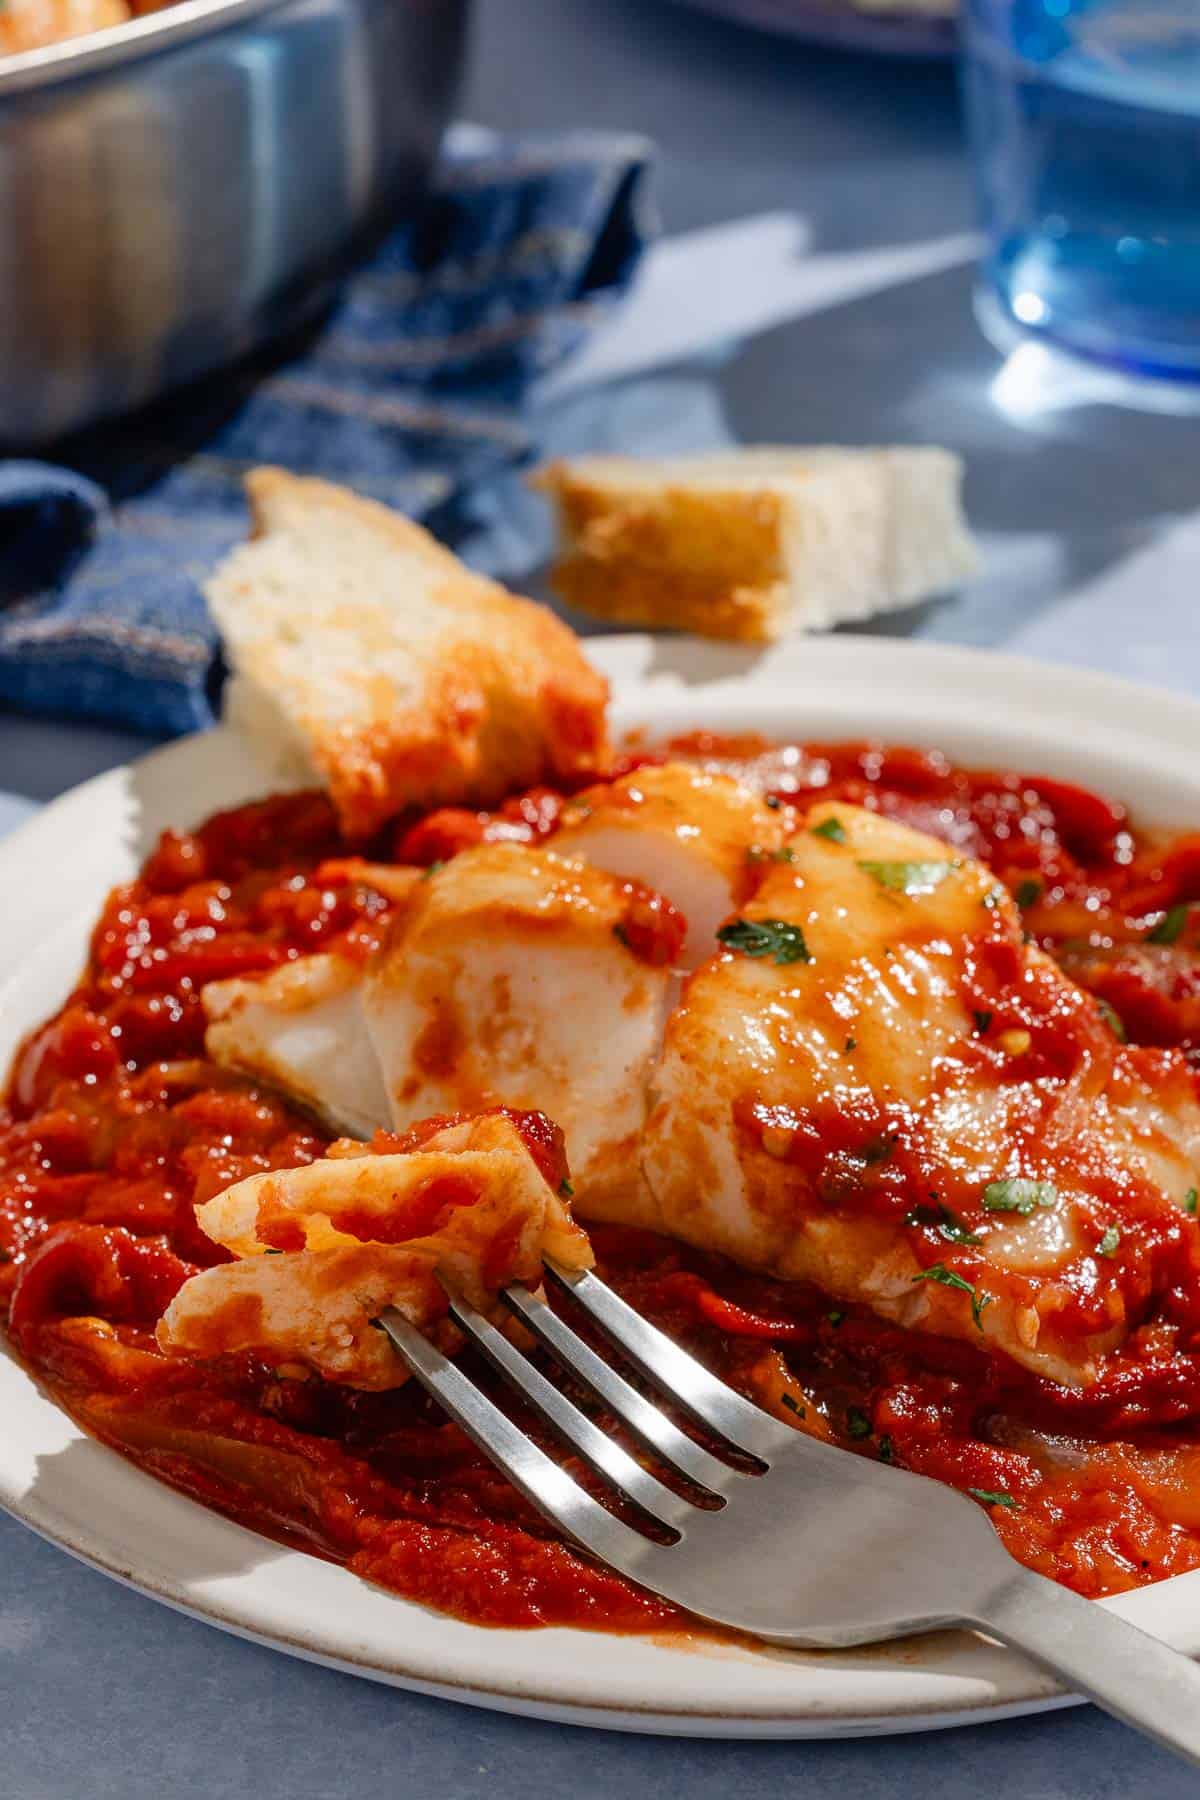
(411,391)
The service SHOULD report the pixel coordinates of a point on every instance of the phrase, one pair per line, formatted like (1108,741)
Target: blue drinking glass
(1084,119)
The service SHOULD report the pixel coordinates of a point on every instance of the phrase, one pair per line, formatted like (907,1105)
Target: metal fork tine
(885,1552)
(596,1448)
(530,1470)
(745,1426)
(653,1426)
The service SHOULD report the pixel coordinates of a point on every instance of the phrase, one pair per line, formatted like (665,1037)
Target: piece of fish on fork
(791,1539)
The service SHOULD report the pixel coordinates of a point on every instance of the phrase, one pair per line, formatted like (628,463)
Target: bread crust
(690,560)
(746,544)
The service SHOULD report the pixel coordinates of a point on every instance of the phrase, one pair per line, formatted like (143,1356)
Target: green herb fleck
(857,1423)
(774,802)
(831,828)
(851,1044)
(621,935)
(1170,927)
(939,1272)
(1108,1243)
(944,1222)
(756,854)
(792,1404)
(432,870)
(990,1499)
(775,938)
(271,1251)
(1190,1199)
(1112,1020)
(1017,1193)
(982,1021)
(1028,894)
(886,1452)
(565,1190)
(879,1150)
(835,1318)
(909,877)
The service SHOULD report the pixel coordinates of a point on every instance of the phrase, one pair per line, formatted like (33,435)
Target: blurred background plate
(882,29)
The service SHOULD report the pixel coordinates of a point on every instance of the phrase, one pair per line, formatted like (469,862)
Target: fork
(797,1542)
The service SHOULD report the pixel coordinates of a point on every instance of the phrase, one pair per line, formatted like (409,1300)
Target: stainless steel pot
(177,190)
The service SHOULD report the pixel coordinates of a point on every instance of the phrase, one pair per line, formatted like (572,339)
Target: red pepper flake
(651,928)
(738,1321)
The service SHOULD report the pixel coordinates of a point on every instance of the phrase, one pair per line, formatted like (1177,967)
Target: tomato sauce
(115,1126)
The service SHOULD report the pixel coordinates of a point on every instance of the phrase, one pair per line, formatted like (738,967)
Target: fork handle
(1126,1671)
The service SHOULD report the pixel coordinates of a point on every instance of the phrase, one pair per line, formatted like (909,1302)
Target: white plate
(1136,744)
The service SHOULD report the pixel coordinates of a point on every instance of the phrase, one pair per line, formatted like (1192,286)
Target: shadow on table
(910,365)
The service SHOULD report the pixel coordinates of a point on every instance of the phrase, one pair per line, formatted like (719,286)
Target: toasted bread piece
(370,657)
(756,542)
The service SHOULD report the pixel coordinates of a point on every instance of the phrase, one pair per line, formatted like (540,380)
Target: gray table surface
(106,1694)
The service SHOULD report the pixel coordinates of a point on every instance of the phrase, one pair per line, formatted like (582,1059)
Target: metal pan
(175,191)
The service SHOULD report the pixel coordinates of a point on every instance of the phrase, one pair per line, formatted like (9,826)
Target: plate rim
(646,668)
(905,33)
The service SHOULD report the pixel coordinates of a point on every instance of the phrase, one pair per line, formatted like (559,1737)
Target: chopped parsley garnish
(835,1318)
(939,1272)
(775,938)
(432,870)
(982,1021)
(850,1045)
(1190,1199)
(831,828)
(857,1423)
(1112,1019)
(990,1499)
(886,1453)
(909,877)
(792,1404)
(1170,927)
(944,1222)
(272,1251)
(1028,894)
(1108,1243)
(565,1190)
(757,854)
(774,802)
(621,935)
(1017,1193)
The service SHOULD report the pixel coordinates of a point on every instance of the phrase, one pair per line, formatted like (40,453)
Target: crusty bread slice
(754,542)
(368,656)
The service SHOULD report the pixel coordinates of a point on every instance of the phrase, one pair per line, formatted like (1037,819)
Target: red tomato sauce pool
(115,1126)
